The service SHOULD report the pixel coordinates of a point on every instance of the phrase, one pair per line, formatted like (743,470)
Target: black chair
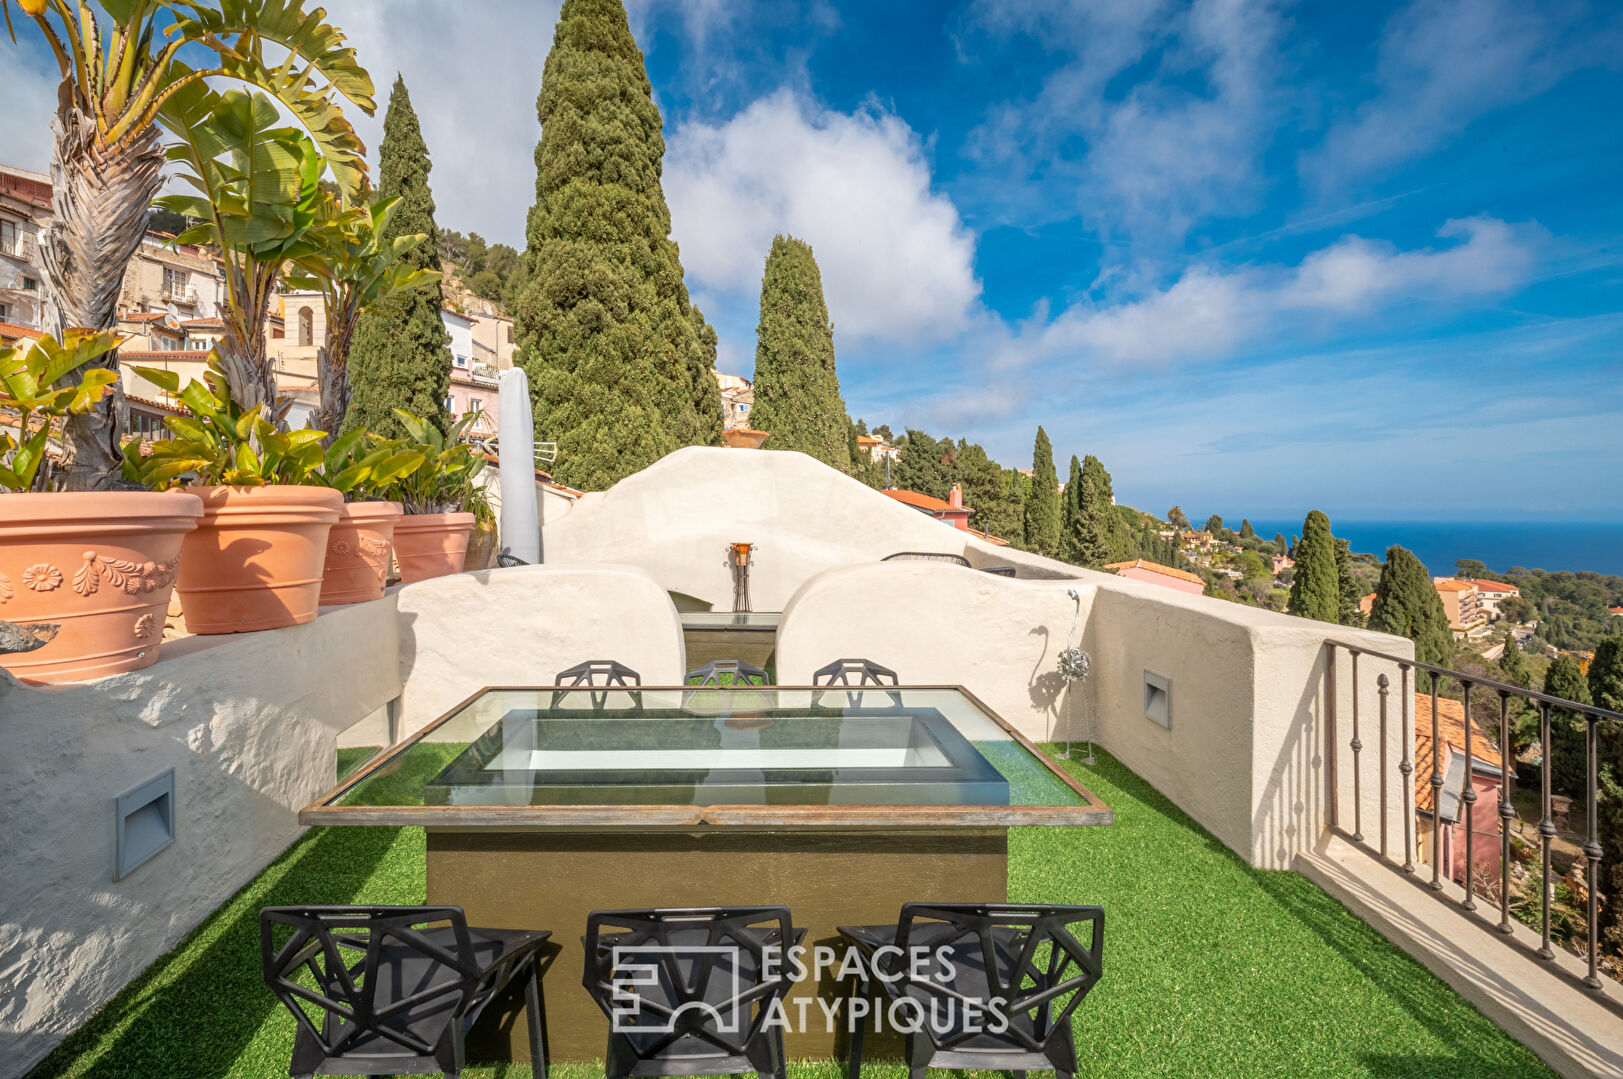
(1023,962)
(392,990)
(927,556)
(598,673)
(687,991)
(743,674)
(508,561)
(866,671)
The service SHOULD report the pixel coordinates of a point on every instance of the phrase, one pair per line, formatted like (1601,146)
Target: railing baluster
(1381,684)
(1406,769)
(1507,812)
(1356,746)
(1436,793)
(1333,793)
(1468,799)
(1592,849)
(1546,831)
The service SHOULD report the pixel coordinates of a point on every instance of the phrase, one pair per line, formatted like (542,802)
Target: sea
(1500,545)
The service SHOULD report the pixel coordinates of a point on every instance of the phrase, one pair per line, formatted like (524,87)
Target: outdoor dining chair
(927,556)
(743,674)
(865,672)
(393,990)
(508,561)
(688,991)
(600,674)
(1025,963)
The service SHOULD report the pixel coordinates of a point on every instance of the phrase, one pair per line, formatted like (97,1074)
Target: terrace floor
(1212,968)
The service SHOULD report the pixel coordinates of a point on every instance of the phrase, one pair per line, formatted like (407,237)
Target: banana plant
(28,387)
(259,203)
(120,66)
(444,482)
(221,442)
(360,472)
(357,269)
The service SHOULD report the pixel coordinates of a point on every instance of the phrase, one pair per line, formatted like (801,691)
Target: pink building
(1481,816)
(1155,573)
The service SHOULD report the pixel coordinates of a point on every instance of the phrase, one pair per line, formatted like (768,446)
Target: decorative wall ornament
(144,626)
(42,577)
(5,588)
(340,546)
(376,548)
(133,578)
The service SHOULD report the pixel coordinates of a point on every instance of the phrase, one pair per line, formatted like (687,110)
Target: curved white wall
(676,517)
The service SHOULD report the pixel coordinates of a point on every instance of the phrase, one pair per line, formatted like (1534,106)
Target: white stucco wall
(249,723)
(676,518)
(1244,753)
(521,626)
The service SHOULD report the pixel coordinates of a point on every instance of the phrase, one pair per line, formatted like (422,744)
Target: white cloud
(30,93)
(473,72)
(1443,63)
(1211,314)
(896,260)
(1181,144)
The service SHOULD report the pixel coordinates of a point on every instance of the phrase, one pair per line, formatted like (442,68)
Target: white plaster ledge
(1570,1030)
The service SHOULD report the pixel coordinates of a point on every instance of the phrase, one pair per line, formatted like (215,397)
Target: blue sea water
(1535,545)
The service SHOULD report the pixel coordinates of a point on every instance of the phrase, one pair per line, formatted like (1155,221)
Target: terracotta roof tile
(1451,729)
(11,329)
(1452,585)
(1156,567)
(922,501)
(1495,586)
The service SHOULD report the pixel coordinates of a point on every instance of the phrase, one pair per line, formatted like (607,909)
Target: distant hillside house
(1485,775)
(1492,592)
(737,398)
(1282,563)
(1463,605)
(1178,580)
(1615,612)
(953,511)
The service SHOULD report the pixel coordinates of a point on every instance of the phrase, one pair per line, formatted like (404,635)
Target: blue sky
(1258,257)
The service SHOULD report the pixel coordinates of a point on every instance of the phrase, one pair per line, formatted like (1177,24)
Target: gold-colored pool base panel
(552,879)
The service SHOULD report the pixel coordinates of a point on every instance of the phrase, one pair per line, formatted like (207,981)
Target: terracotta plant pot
(255,560)
(431,544)
(358,550)
(98,565)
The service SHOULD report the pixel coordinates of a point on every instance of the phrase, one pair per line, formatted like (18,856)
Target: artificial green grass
(1212,968)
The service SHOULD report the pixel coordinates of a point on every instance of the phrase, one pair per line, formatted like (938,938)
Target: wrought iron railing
(1439,680)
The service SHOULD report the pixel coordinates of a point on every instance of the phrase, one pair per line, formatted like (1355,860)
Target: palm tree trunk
(99,198)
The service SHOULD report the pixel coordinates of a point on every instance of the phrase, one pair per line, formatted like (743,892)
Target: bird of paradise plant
(120,69)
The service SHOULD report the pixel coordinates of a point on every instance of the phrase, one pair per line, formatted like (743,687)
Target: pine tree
(401,357)
(1316,588)
(1246,531)
(1568,749)
(926,465)
(1407,604)
(621,363)
(986,490)
(1349,589)
(797,393)
(1041,517)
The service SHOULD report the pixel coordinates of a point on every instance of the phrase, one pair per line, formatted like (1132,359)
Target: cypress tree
(1606,690)
(1606,675)
(1279,543)
(401,357)
(1073,543)
(1316,588)
(1214,524)
(1569,768)
(620,361)
(1100,535)
(1407,604)
(1512,662)
(797,393)
(1350,591)
(1246,531)
(1041,517)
